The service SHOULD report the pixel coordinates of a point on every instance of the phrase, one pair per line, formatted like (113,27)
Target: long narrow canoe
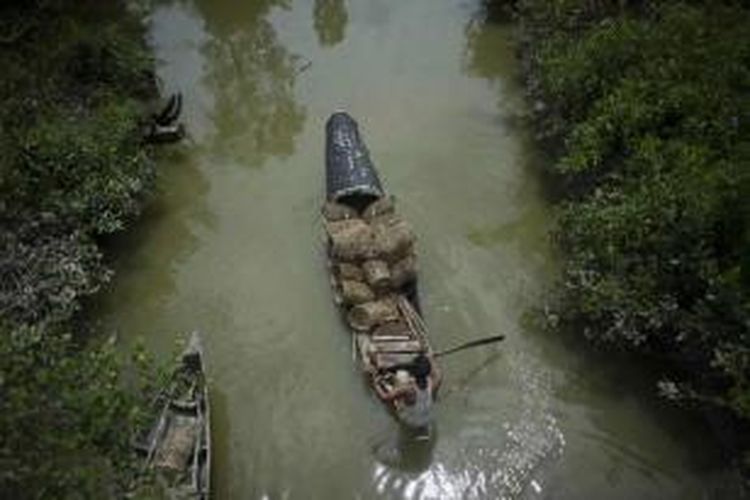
(352,181)
(177,447)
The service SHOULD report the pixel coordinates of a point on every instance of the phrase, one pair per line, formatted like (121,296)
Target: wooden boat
(387,349)
(177,447)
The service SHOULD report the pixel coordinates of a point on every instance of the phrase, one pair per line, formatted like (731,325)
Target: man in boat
(415,386)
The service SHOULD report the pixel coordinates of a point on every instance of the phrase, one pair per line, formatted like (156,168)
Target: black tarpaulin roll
(349,170)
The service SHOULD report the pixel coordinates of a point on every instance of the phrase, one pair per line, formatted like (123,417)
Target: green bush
(46,271)
(67,416)
(72,162)
(90,171)
(649,103)
(72,168)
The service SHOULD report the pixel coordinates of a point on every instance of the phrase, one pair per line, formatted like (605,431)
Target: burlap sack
(355,292)
(351,240)
(348,271)
(363,317)
(393,238)
(377,274)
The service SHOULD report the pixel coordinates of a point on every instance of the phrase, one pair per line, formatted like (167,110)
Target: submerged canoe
(386,348)
(177,447)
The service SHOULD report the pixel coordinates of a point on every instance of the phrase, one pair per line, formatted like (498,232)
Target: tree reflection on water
(252,77)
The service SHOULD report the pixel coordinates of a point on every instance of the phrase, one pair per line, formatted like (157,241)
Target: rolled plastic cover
(349,170)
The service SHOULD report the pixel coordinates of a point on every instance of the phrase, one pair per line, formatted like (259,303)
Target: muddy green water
(232,247)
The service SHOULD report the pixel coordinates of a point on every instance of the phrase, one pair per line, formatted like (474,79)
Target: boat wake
(508,470)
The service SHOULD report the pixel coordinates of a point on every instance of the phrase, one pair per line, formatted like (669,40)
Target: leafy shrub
(44,272)
(72,168)
(72,163)
(651,104)
(67,417)
(90,171)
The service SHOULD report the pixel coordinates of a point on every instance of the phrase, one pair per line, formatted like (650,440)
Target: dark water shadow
(490,27)
(223,464)
(590,369)
(498,12)
(406,450)
(162,236)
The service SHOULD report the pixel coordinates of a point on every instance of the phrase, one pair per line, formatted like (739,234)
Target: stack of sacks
(373,257)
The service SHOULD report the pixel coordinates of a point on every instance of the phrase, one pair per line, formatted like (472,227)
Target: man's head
(421,369)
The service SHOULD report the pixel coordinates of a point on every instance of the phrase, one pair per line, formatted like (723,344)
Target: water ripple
(487,469)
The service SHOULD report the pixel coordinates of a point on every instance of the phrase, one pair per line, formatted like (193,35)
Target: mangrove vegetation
(73,168)
(645,107)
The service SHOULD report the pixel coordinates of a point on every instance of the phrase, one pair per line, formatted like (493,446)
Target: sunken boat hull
(176,449)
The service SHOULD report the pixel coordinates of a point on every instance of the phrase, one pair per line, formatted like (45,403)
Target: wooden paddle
(473,343)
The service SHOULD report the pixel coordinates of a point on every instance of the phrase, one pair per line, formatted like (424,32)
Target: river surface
(232,247)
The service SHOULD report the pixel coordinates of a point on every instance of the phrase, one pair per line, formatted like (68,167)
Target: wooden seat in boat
(392,329)
(398,345)
(386,360)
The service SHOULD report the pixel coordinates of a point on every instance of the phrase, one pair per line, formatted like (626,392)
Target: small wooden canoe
(386,349)
(177,447)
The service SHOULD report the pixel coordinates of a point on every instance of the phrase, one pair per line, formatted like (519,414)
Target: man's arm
(436,376)
(392,394)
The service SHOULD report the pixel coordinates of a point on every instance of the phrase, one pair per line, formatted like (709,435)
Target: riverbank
(77,80)
(645,108)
